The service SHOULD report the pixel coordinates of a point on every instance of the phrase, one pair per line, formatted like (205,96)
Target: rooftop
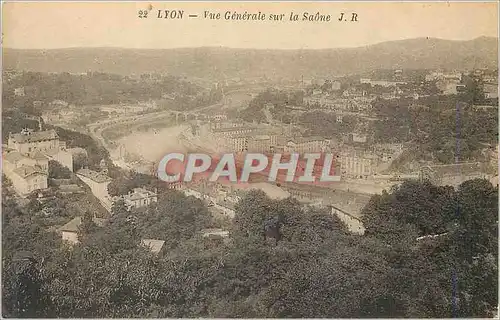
(230,129)
(38,156)
(13,157)
(153,244)
(215,232)
(139,193)
(25,171)
(262,137)
(72,226)
(306,139)
(27,136)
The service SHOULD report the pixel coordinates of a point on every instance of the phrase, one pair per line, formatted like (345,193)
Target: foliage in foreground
(317,269)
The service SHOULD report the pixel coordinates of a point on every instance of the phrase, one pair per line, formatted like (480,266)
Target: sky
(48,25)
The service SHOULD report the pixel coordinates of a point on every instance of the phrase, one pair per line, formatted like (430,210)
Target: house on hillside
(69,231)
(26,179)
(138,198)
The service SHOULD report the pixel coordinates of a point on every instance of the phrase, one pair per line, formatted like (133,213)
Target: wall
(99,190)
(353,224)
(64,158)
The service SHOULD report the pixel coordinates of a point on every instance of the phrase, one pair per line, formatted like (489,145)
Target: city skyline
(30,25)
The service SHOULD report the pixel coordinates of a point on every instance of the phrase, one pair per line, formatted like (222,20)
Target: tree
(58,171)
(412,209)
(88,226)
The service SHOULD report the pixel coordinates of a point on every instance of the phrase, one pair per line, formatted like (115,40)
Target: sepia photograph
(241,159)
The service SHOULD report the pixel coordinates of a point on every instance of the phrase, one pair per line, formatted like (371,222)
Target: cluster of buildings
(98,183)
(238,137)
(69,233)
(27,155)
(357,157)
(351,100)
(382,83)
(357,98)
(222,198)
(450,83)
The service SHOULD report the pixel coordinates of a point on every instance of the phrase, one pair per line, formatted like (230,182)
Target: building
(69,231)
(41,143)
(47,143)
(382,83)
(98,184)
(14,160)
(139,198)
(26,179)
(207,233)
(237,143)
(306,144)
(494,181)
(261,143)
(351,102)
(214,237)
(19,92)
(336,85)
(28,142)
(205,193)
(447,87)
(59,104)
(357,164)
(359,138)
(232,131)
(490,90)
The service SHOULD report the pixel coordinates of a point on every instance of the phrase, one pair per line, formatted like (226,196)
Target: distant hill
(420,53)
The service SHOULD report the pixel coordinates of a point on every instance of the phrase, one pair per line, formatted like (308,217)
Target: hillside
(421,53)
